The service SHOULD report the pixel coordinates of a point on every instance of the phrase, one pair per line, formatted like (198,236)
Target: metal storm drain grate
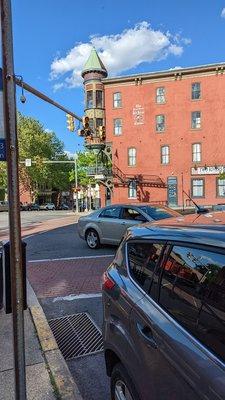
(76,335)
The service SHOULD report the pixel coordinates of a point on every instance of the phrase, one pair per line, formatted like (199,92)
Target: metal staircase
(141,180)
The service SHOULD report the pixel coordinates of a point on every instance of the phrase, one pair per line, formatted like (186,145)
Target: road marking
(71,258)
(78,296)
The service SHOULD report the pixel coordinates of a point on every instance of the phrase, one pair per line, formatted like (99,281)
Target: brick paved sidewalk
(65,277)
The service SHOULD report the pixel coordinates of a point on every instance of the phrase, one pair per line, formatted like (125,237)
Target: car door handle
(146,332)
(123,223)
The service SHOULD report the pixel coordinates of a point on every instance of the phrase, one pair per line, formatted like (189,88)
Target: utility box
(5,277)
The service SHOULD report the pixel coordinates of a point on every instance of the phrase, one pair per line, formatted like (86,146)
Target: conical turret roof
(94,63)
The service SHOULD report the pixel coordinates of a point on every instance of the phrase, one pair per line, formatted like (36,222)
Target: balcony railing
(99,170)
(94,142)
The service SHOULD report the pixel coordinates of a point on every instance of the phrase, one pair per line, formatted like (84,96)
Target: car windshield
(158,213)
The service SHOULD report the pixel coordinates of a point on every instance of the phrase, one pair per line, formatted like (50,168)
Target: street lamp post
(76,187)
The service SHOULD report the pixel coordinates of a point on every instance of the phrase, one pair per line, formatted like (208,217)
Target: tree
(38,145)
(85,160)
(3,180)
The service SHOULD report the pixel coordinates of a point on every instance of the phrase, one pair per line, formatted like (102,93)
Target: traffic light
(70,122)
(81,132)
(102,133)
(85,121)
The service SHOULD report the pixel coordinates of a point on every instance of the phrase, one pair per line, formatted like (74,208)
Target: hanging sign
(2,129)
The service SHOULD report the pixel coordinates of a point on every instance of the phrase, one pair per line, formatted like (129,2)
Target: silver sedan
(109,224)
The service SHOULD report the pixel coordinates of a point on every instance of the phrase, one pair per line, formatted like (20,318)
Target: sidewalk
(48,377)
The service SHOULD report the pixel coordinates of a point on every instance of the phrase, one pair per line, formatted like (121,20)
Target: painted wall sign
(208,170)
(2,129)
(138,114)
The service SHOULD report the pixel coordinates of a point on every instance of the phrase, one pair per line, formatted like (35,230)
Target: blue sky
(52,38)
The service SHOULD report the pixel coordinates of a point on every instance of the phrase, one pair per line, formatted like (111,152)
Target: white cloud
(119,52)
(223,13)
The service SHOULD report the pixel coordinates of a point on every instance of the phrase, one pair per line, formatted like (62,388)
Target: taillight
(107,282)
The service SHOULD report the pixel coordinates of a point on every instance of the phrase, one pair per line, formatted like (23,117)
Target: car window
(112,212)
(158,213)
(142,260)
(132,214)
(193,291)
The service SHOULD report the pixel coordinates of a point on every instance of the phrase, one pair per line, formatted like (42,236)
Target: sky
(53,39)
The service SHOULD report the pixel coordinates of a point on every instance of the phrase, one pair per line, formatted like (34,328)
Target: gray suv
(164,312)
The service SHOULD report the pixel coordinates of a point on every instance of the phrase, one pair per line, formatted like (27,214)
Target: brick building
(165,132)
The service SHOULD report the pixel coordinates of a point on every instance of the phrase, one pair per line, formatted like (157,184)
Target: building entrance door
(107,196)
(172,197)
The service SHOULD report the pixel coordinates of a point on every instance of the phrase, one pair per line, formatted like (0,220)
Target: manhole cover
(76,335)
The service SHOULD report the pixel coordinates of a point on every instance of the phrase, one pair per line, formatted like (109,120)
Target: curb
(60,376)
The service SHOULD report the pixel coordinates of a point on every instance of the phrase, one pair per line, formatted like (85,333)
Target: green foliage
(3,175)
(85,160)
(38,145)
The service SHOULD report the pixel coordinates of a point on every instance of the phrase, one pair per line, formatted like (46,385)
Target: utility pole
(9,102)
(76,186)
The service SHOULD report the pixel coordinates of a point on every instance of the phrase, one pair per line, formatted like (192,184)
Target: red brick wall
(178,133)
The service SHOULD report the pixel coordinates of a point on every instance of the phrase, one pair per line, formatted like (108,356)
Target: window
(220,187)
(196,91)
(158,213)
(165,155)
(160,95)
(193,292)
(196,120)
(196,152)
(198,187)
(99,122)
(142,261)
(132,215)
(89,99)
(112,212)
(91,123)
(132,155)
(99,99)
(132,190)
(117,100)
(160,123)
(117,126)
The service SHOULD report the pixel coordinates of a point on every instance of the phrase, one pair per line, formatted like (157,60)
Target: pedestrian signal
(102,133)
(85,121)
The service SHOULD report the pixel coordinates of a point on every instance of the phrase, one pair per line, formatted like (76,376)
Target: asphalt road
(61,242)
(33,217)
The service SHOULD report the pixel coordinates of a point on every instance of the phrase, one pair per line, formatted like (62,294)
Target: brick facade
(178,113)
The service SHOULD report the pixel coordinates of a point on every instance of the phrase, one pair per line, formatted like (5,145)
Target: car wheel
(122,387)
(92,239)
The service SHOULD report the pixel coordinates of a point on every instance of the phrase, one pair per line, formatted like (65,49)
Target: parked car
(164,311)
(109,224)
(63,206)
(4,205)
(34,207)
(47,207)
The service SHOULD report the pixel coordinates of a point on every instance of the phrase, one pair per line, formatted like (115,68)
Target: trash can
(5,277)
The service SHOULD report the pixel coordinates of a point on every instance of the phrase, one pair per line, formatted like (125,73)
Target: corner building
(166,131)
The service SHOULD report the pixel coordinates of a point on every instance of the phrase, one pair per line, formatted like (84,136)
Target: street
(66,277)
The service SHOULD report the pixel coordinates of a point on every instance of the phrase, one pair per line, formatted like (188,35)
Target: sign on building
(138,114)
(28,162)
(2,128)
(207,170)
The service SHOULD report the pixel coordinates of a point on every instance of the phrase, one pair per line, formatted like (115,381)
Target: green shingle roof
(94,63)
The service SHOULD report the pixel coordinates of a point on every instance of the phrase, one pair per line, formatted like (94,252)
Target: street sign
(28,162)
(2,128)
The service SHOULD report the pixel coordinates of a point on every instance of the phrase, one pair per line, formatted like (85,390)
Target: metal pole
(14,201)
(182,182)
(76,187)
(42,96)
